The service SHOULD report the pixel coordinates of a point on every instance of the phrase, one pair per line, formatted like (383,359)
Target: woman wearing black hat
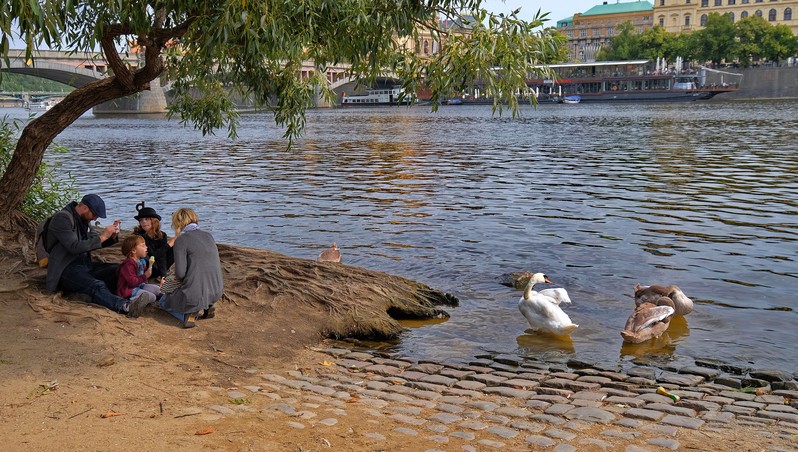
(157,241)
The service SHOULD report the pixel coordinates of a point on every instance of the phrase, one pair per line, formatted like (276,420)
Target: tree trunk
(40,132)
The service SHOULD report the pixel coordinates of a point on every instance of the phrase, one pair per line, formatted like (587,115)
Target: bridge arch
(58,72)
(79,69)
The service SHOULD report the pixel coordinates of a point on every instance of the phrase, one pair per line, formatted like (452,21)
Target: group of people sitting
(186,268)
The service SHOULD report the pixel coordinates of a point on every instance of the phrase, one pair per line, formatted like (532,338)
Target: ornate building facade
(587,32)
(678,16)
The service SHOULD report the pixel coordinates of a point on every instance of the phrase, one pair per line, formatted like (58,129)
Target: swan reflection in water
(663,345)
(538,342)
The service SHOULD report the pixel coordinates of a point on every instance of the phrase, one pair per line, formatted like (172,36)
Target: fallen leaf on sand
(205,431)
(43,389)
(109,414)
(352,399)
(105,362)
(327,363)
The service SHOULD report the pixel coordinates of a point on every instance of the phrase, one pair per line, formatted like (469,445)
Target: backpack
(42,250)
(42,247)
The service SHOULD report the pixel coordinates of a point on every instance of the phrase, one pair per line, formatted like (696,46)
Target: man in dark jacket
(70,268)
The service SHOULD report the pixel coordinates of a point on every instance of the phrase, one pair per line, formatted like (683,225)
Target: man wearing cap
(70,268)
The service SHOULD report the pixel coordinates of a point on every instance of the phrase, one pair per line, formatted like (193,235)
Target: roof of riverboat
(598,63)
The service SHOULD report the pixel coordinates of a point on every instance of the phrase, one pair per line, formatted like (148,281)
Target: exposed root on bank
(359,302)
(342,301)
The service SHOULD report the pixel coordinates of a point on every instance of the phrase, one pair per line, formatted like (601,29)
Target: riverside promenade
(506,402)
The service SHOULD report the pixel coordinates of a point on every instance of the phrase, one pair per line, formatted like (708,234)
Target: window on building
(758,1)
(731,17)
(732,2)
(583,33)
(745,2)
(718,2)
(610,31)
(704,3)
(688,2)
(743,14)
(703,20)
(661,2)
(661,21)
(758,12)
(772,15)
(788,14)
(426,47)
(686,21)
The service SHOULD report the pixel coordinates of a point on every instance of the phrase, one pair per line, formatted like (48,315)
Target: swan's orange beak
(548,281)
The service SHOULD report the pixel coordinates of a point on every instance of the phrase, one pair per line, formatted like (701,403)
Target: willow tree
(207,48)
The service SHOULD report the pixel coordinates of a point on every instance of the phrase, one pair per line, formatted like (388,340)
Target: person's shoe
(136,307)
(189,319)
(209,313)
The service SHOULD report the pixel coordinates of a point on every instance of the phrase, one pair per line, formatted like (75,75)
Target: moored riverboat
(632,81)
(42,105)
(376,97)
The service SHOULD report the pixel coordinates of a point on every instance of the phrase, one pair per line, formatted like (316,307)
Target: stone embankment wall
(145,102)
(766,83)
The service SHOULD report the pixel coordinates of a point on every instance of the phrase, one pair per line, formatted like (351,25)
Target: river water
(599,197)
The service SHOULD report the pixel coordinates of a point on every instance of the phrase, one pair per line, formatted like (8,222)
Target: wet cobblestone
(490,402)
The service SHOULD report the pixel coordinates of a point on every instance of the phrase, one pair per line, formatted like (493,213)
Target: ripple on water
(598,197)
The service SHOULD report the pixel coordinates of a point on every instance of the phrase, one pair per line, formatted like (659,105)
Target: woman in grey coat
(198,271)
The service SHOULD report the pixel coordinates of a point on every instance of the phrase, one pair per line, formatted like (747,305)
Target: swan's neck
(666,301)
(529,290)
(679,298)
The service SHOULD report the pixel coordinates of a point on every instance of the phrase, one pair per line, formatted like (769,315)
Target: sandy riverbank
(77,376)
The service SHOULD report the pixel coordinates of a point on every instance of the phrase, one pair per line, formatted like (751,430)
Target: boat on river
(42,105)
(574,99)
(632,81)
(376,97)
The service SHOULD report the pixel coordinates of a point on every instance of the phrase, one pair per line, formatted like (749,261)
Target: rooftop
(565,22)
(619,8)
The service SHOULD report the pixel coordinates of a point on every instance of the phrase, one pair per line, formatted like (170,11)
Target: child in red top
(134,271)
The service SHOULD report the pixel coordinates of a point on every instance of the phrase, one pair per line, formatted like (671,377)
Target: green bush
(51,190)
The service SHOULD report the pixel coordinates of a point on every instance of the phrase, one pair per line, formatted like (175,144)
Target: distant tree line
(751,40)
(27,83)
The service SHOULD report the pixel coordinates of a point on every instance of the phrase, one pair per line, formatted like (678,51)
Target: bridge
(73,69)
(78,69)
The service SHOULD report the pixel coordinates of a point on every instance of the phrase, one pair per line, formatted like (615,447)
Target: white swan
(651,294)
(542,310)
